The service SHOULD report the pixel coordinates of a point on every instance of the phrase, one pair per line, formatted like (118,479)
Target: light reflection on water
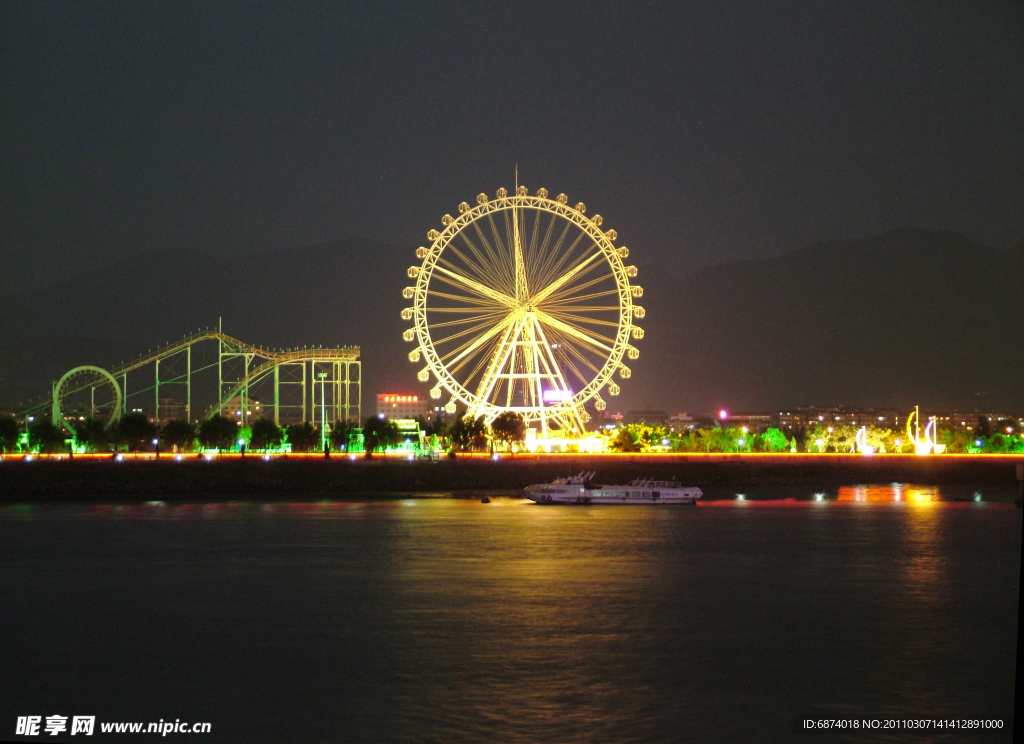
(892,492)
(452,620)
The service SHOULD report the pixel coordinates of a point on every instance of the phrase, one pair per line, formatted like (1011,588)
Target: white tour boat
(579,489)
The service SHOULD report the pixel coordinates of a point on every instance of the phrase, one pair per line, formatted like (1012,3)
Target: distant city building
(402,406)
(809,416)
(964,421)
(750,420)
(232,410)
(647,416)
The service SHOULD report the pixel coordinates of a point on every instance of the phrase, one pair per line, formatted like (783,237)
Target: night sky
(702,131)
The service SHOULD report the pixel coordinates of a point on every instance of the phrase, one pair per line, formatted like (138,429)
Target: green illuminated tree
(719,440)
(509,427)
(43,436)
(178,433)
(92,435)
(956,441)
(135,431)
(265,435)
(218,432)
(303,437)
(379,433)
(9,434)
(774,440)
(341,435)
(625,440)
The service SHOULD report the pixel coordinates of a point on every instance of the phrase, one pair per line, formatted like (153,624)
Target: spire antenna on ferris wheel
(524,304)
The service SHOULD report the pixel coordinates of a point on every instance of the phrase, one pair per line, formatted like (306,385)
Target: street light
(323,413)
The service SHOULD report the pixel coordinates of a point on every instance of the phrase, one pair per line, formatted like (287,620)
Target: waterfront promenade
(227,476)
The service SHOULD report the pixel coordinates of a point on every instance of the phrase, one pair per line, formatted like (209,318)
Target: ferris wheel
(523,303)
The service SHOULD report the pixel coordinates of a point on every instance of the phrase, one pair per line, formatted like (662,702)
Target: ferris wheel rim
(605,249)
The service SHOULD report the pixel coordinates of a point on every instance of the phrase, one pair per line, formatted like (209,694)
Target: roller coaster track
(228,345)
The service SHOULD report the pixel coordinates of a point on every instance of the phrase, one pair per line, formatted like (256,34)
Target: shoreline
(147,478)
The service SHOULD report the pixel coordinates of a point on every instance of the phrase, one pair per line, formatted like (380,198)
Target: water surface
(449,620)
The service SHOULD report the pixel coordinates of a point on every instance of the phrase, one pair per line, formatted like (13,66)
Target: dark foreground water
(451,621)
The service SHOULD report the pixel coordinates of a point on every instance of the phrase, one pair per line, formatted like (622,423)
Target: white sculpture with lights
(925,445)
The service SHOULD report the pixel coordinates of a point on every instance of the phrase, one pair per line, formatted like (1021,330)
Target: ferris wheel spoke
(499,358)
(566,294)
(473,344)
(571,348)
(547,359)
(481,274)
(486,272)
(491,259)
(465,332)
(564,279)
(554,310)
(577,298)
(522,291)
(573,331)
(460,298)
(552,270)
(500,311)
(490,317)
(497,238)
(576,346)
(569,317)
(532,252)
(481,360)
(572,368)
(546,256)
(475,286)
(500,260)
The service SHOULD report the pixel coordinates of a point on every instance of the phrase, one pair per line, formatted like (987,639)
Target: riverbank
(166,477)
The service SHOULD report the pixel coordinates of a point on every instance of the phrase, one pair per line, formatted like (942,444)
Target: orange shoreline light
(519,456)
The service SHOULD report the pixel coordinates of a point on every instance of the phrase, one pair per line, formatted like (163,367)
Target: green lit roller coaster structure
(241,367)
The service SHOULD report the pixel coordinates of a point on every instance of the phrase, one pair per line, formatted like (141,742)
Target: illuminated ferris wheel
(523,303)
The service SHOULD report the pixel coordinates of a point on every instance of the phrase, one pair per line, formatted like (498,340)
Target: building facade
(394,406)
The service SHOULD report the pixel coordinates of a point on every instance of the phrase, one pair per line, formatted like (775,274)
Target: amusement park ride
(286,375)
(523,303)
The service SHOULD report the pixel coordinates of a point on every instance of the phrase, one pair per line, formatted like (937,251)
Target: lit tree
(774,440)
(10,434)
(468,432)
(509,427)
(341,434)
(135,431)
(303,437)
(178,433)
(379,433)
(625,440)
(91,434)
(265,435)
(43,436)
(218,432)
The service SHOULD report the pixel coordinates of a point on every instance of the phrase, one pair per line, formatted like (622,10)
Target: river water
(451,620)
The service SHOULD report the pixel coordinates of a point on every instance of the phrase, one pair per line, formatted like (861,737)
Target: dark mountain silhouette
(907,317)
(910,316)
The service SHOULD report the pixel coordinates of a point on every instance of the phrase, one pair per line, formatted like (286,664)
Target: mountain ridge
(924,316)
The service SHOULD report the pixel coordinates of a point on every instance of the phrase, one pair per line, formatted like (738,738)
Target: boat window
(647,494)
(656,494)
